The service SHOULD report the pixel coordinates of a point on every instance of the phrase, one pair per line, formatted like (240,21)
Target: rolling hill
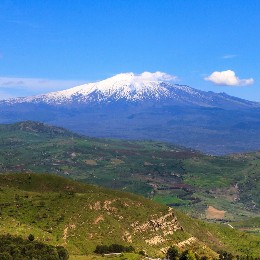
(206,187)
(61,212)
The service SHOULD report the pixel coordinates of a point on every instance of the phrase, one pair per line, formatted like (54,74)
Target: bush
(187,255)
(62,252)
(142,252)
(100,249)
(223,255)
(114,248)
(172,253)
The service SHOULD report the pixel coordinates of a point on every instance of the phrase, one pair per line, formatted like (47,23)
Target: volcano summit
(131,88)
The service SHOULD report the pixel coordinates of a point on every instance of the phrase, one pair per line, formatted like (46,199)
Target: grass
(251,225)
(59,211)
(168,200)
(62,212)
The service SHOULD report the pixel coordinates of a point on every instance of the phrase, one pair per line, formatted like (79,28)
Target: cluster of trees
(224,255)
(174,254)
(17,248)
(114,248)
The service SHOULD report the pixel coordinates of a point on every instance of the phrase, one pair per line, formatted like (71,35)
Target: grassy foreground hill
(62,212)
(204,186)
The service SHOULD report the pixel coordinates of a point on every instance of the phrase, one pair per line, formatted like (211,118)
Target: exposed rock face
(187,242)
(127,237)
(156,230)
(155,240)
(162,226)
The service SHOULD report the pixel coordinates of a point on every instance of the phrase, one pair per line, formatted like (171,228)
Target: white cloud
(156,76)
(228,78)
(36,85)
(229,56)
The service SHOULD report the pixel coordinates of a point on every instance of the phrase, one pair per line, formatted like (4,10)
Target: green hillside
(61,212)
(200,185)
(80,217)
(251,225)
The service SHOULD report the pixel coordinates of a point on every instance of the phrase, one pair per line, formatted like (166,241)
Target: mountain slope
(169,174)
(79,217)
(130,106)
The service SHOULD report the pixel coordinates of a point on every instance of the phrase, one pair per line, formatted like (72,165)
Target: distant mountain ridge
(129,88)
(146,106)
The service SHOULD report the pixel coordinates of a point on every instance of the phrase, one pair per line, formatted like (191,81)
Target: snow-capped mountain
(146,106)
(129,87)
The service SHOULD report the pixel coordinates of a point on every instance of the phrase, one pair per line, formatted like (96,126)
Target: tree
(187,255)
(223,255)
(142,252)
(115,248)
(101,249)
(62,252)
(172,253)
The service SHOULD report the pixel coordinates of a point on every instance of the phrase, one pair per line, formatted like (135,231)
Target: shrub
(187,255)
(142,252)
(114,248)
(101,249)
(172,253)
(62,252)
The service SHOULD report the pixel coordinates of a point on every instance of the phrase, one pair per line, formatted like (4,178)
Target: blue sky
(51,45)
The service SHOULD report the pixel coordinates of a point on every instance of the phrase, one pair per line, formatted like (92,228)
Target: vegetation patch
(13,247)
(186,179)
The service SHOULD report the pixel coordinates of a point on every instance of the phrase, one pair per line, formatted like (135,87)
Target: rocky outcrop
(162,227)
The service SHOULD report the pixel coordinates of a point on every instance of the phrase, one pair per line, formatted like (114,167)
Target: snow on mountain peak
(127,86)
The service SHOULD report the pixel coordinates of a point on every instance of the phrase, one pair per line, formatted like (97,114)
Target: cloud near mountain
(228,78)
(155,76)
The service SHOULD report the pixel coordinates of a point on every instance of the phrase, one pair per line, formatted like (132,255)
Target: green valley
(206,187)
